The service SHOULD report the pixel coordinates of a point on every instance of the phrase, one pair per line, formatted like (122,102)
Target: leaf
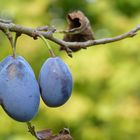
(79,29)
(44,134)
(48,135)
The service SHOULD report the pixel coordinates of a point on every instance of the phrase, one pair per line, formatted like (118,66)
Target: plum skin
(19,90)
(55,81)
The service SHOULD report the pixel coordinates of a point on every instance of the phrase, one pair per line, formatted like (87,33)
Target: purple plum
(55,81)
(19,90)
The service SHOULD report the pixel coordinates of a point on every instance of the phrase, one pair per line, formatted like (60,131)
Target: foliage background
(105,103)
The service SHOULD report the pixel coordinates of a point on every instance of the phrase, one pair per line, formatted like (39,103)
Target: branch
(7,27)
(48,34)
(90,43)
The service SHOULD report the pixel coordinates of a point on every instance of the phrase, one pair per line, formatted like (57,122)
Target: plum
(19,90)
(55,81)
(5,61)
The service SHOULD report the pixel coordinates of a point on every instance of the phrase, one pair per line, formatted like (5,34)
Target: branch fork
(48,34)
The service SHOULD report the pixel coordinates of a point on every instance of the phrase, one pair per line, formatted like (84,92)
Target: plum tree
(55,82)
(19,90)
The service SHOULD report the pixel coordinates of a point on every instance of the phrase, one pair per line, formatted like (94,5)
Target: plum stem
(48,46)
(11,40)
(14,44)
(10,37)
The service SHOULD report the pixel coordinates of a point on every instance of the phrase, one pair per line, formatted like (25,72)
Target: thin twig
(32,32)
(90,43)
(31,129)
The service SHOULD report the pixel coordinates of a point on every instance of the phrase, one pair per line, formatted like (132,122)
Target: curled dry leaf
(48,135)
(44,134)
(79,29)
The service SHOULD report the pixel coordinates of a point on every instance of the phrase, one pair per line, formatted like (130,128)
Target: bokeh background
(105,102)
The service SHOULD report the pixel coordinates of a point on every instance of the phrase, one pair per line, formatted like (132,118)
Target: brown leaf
(48,135)
(79,29)
(44,134)
(63,135)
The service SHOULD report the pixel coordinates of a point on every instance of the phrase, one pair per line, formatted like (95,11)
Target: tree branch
(90,43)
(7,27)
(48,34)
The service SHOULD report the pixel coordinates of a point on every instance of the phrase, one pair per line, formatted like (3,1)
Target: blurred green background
(105,103)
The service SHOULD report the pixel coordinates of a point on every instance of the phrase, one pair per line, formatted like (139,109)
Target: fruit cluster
(20,91)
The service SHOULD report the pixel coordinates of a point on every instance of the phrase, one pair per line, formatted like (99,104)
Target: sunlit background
(105,102)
